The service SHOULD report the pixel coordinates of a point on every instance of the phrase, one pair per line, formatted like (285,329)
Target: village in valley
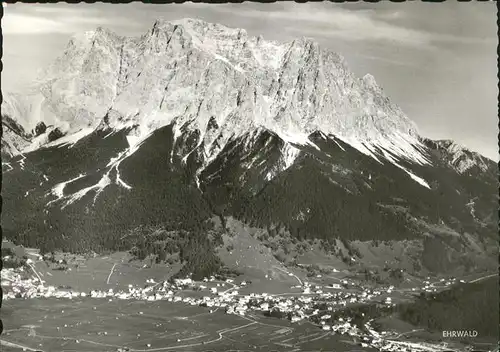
(336,308)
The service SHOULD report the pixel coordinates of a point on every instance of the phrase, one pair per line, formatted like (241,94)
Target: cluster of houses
(431,287)
(16,285)
(382,342)
(313,301)
(222,294)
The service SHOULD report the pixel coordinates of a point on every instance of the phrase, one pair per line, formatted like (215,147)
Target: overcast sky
(437,61)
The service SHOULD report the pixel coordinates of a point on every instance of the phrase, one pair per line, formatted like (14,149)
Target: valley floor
(91,325)
(108,305)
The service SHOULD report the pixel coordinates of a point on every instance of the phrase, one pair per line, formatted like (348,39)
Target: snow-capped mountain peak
(189,71)
(461,158)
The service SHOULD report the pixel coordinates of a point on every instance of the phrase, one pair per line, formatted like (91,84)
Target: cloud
(397,25)
(28,24)
(19,20)
(333,21)
(387,60)
(445,23)
(393,25)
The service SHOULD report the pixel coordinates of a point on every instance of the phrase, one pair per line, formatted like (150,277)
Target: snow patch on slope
(361,147)
(98,188)
(414,177)
(135,141)
(21,161)
(288,155)
(420,180)
(7,164)
(343,149)
(58,190)
(71,139)
(397,145)
(404,145)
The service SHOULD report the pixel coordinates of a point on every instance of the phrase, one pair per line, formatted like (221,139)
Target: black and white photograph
(236,177)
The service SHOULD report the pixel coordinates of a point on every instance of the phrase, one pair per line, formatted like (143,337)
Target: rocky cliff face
(189,71)
(460,158)
(14,138)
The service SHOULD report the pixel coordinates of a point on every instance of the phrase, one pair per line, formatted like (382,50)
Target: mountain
(14,138)
(460,158)
(195,121)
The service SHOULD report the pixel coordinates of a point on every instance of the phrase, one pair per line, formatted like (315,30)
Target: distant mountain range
(194,121)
